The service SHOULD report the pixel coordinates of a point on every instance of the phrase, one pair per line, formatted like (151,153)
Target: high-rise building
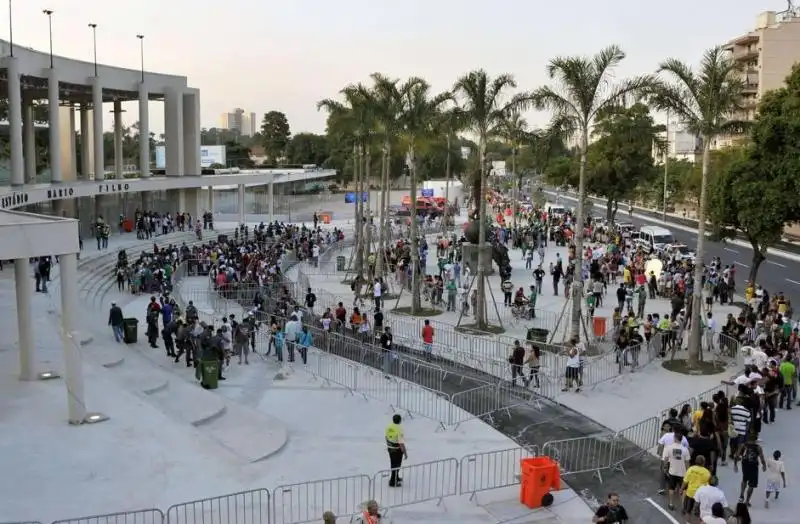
(679,143)
(244,123)
(766,56)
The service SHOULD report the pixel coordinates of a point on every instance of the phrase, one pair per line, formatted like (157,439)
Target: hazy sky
(287,55)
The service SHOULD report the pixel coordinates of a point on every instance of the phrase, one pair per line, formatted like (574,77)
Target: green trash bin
(130,330)
(209,374)
(341,262)
(538,334)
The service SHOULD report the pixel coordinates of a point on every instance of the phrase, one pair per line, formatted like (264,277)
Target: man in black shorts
(750,454)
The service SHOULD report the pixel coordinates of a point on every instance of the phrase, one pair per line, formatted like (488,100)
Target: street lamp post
(49,14)
(141,53)
(10,30)
(94,46)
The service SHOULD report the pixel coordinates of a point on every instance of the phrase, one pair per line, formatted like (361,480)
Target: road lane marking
(729,250)
(775,263)
(793,281)
(740,264)
(664,512)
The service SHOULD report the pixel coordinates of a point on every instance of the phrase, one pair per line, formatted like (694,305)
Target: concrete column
(241,204)
(181,200)
(118,153)
(173,132)
(29,140)
(15,122)
(147,201)
(271,199)
(73,363)
(193,202)
(97,129)
(53,99)
(144,131)
(22,277)
(191,133)
(210,199)
(73,153)
(86,142)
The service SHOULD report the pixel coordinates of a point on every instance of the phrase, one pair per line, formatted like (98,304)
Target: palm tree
(386,100)
(484,108)
(352,118)
(419,113)
(584,88)
(514,130)
(450,122)
(708,102)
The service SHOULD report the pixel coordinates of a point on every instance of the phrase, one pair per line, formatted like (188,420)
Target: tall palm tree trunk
(577,280)
(367,247)
(448,174)
(695,335)
(514,190)
(379,262)
(481,321)
(358,230)
(416,299)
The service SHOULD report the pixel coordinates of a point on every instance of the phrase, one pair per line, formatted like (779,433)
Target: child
(776,474)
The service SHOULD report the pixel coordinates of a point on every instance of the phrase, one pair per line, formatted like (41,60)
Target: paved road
(776,274)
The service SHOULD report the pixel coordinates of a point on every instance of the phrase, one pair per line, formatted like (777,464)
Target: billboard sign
(209,155)
(350,198)
(427,192)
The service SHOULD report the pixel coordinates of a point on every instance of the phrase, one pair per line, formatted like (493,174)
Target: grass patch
(472,329)
(702,368)
(422,312)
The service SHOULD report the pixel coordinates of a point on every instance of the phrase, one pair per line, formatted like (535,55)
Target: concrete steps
(249,435)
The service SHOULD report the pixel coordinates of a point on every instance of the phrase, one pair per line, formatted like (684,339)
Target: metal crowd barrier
(304,502)
(250,507)
(433,480)
(141,516)
(492,470)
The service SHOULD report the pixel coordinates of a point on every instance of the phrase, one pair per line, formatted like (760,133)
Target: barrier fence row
(305,502)
(355,364)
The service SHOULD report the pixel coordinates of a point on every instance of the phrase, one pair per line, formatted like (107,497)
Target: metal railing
(305,502)
(141,516)
(250,507)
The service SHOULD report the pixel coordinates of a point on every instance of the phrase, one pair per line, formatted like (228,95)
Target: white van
(654,238)
(556,210)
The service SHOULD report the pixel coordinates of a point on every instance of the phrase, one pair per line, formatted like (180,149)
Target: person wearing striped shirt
(741,417)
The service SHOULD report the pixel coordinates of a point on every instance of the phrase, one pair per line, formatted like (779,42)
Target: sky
(286,56)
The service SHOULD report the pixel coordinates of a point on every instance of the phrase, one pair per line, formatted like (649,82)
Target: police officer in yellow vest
(395,444)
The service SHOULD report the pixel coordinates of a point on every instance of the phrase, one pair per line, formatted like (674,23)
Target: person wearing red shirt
(427,338)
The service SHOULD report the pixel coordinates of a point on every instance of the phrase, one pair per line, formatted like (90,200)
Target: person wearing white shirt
(376,293)
(676,457)
(717,515)
(708,495)
(290,335)
(669,438)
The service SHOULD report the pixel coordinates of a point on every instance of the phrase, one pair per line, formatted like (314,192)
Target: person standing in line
(676,457)
(290,333)
(533,359)
(115,318)
(427,339)
(377,292)
(750,454)
(776,475)
(386,347)
(517,360)
(303,343)
(395,445)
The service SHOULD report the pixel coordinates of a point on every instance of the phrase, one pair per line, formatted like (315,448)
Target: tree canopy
(275,134)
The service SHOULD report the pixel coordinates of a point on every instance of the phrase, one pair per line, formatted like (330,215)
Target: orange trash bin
(127,225)
(599,326)
(540,475)
(325,218)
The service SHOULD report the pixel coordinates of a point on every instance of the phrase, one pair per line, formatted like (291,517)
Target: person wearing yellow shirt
(395,444)
(695,477)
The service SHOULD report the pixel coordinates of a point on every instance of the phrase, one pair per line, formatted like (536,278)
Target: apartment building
(678,142)
(766,56)
(239,120)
